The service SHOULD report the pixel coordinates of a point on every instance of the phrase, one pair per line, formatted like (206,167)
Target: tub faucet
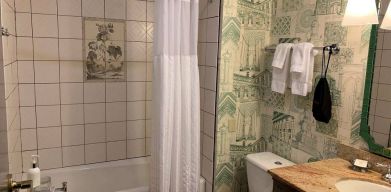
(14,186)
(64,187)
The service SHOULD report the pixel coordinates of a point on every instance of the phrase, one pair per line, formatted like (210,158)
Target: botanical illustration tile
(251,117)
(104,50)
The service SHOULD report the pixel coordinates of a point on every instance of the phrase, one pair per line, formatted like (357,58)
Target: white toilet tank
(259,180)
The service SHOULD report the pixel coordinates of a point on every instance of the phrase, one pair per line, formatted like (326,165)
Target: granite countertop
(321,176)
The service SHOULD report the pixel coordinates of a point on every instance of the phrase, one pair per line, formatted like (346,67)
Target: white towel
(281,67)
(302,68)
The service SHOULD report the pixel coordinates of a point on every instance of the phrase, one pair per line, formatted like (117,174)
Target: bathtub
(131,175)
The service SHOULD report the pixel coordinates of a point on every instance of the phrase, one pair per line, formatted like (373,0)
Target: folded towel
(302,68)
(280,65)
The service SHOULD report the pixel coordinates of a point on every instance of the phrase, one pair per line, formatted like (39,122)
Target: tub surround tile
(69,7)
(73,155)
(50,158)
(116,150)
(135,148)
(95,133)
(72,135)
(65,118)
(95,153)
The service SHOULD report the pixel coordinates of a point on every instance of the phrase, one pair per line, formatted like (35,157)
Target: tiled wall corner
(12,91)
(69,121)
(208,38)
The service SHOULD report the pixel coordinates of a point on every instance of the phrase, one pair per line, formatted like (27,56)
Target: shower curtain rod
(334,48)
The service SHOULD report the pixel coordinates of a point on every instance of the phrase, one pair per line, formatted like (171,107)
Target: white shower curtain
(175,161)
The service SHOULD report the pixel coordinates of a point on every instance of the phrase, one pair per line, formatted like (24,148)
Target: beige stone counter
(321,176)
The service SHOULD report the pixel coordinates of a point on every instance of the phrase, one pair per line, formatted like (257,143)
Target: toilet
(258,164)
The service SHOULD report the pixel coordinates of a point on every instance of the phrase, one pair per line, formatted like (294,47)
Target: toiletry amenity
(34,173)
(302,68)
(321,105)
(281,67)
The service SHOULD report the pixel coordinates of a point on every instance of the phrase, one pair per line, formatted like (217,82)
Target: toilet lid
(267,160)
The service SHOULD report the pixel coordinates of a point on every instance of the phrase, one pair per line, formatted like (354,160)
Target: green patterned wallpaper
(252,118)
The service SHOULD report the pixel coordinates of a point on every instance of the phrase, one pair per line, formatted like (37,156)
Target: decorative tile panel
(104,49)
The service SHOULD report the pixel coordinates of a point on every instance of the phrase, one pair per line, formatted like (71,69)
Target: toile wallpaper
(251,118)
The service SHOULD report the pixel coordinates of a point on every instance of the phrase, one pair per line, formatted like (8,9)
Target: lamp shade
(386,23)
(360,12)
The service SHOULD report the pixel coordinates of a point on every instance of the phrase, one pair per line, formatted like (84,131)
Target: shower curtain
(175,160)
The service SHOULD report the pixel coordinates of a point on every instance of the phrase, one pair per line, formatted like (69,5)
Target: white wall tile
(69,7)
(115,91)
(93,8)
(49,137)
(95,133)
(148,128)
(135,148)
(48,116)
(45,49)
(94,92)
(73,155)
(50,158)
(116,111)
(72,135)
(44,6)
(136,31)
(213,30)
(71,49)
(45,25)
(71,71)
(29,139)
(24,48)
(149,91)
(136,10)
(116,131)
(94,113)
(47,94)
(115,9)
(207,146)
(27,95)
(23,24)
(150,11)
(26,72)
(210,78)
(136,110)
(46,71)
(383,108)
(116,150)
(384,92)
(70,27)
(211,54)
(136,129)
(72,114)
(382,125)
(136,71)
(95,153)
(209,124)
(71,93)
(207,169)
(136,51)
(136,91)
(27,117)
(210,98)
(214,8)
(22,6)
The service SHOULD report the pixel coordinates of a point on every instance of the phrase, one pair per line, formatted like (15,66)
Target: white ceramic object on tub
(258,164)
